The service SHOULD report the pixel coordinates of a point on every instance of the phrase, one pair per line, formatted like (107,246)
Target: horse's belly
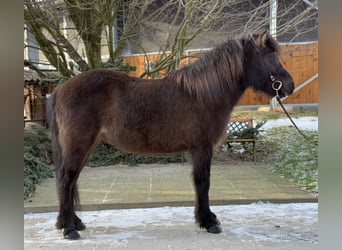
(134,141)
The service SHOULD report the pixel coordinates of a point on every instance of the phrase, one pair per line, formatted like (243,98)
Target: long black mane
(220,70)
(214,74)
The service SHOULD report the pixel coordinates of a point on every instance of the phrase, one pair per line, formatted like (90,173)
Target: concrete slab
(122,186)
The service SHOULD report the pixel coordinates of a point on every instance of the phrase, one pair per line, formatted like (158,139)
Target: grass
(292,156)
(270,115)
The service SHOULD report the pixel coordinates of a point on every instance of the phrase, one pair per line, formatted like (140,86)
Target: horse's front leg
(201,157)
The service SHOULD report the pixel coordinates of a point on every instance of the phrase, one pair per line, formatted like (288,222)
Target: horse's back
(90,93)
(92,84)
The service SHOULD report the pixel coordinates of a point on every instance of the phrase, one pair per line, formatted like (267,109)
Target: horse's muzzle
(285,89)
(289,88)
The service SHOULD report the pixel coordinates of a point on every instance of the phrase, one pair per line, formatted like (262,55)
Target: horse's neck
(233,94)
(237,94)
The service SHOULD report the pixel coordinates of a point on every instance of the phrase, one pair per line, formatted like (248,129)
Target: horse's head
(263,70)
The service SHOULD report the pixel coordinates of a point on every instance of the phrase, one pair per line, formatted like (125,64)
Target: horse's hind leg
(201,157)
(75,153)
(77,221)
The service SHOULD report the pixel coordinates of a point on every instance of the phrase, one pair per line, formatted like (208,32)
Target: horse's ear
(264,37)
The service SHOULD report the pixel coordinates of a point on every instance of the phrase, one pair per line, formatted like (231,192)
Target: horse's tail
(56,147)
(54,131)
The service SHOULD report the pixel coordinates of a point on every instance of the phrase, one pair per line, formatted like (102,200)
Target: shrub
(37,160)
(105,155)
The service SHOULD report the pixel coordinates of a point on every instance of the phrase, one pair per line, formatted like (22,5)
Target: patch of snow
(254,222)
(304,123)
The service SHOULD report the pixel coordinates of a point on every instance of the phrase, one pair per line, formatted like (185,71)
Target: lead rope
(277,88)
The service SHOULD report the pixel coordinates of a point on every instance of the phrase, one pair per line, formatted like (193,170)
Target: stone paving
(154,185)
(151,207)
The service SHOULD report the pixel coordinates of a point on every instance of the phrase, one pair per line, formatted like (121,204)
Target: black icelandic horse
(185,111)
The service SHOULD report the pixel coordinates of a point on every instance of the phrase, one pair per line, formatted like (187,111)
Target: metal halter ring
(276,85)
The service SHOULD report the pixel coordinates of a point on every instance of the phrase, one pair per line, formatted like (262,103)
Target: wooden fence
(301,60)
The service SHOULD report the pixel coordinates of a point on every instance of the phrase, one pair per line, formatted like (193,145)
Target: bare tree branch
(167,26)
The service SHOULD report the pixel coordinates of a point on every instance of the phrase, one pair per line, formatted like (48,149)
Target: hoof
(71,235)
(214,229)
(80,226)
